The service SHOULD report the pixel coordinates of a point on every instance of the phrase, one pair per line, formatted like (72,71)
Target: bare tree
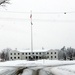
(63,48)
(74,53)
(4,2)
(5,54)
(62,53)
(70,53)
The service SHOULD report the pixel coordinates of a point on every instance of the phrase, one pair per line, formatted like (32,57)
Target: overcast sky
(52,29)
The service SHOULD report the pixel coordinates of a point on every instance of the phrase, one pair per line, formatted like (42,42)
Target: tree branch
(4,1)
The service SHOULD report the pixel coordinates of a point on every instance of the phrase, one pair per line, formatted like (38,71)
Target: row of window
(51,57)
(51,52)
(35,57)
(24,53)
(15,58)
(40,57)
(15,53)
(33,53)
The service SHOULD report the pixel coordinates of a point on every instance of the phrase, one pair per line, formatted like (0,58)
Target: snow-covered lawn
(36,63)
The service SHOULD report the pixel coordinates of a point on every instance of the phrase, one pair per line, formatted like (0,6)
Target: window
(40,53)
(10,53)
(14,53)
(32,53)
(47,52)
(26,53)
(29,57)
(55,52)
(26,57)
(51,56)
(40,57)
(11,57)
(29,53)
(33,57)
(36,57)
(51,53)
(22,53)
(18,53)
(36,53)
(55,56)
(18,57)
(14,57)
(47,56)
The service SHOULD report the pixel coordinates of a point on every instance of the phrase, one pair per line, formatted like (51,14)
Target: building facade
(36,55)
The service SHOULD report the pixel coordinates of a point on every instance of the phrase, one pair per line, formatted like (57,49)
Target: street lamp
(31,36)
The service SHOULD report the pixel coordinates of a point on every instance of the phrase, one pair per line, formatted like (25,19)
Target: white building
(36,54)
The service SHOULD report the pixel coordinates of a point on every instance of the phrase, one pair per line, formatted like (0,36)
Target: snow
(39,50)
(64,70)
(6,69)
(33,50)
(36,63)
(42,72)
(27,72)
(56,67)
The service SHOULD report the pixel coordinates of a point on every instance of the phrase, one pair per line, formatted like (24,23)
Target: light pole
(31,35)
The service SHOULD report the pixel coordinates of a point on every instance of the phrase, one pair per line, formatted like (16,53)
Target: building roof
(44,50)
(33,50)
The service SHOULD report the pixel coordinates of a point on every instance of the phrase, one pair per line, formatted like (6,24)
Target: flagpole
(31,36)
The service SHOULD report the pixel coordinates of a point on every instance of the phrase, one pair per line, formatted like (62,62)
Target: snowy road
(37,71)
(60,70)
(63,70)
(7,71)
(10,71)
(40,67)
(28,71)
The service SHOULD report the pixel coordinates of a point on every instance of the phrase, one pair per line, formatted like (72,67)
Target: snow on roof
(43,50)
(33,50)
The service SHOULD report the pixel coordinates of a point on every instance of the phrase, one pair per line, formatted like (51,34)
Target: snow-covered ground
(64,70)
(27,72)
(56,67)
(36,63)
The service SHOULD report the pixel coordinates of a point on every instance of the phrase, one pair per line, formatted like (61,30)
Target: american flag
(31,19)
(31,16)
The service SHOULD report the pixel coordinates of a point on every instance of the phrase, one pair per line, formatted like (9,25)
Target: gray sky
(51,31)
